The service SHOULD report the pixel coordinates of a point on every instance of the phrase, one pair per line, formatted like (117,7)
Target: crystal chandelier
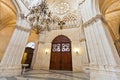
(39,17)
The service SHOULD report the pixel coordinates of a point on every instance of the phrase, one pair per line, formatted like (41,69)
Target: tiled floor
(54,75)
(102,75)
(65,75)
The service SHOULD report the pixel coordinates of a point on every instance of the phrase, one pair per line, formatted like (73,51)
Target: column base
(103,68)
(10,70)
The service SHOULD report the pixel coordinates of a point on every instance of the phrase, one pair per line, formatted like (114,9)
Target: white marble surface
(102,75)
(65,75)
(53,75)
(75,35)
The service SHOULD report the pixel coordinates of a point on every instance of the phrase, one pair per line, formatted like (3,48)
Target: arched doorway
(28,54)
(61,58)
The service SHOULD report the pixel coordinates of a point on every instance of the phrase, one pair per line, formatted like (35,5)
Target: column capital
(94,19)
(21,15)
(22,28)
(83,39)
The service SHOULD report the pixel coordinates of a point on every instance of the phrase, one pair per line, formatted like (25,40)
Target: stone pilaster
(40,51)
(35,54)
(11,61)
(101,49)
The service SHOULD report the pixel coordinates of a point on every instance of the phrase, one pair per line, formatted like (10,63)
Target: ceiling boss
(62,8)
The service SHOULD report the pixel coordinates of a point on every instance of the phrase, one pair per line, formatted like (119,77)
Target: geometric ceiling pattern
(8,16)
(109,8)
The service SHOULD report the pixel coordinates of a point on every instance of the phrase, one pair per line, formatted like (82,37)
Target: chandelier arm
(39,17)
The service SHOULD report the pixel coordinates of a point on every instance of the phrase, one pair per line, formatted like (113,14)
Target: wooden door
(61,58)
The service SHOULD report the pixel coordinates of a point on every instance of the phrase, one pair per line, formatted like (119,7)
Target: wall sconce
(46,51)
(76,50)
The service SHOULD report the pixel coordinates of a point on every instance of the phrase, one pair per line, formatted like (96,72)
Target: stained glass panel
(65,47)
(56,48)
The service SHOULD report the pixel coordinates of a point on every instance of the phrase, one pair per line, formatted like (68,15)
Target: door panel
(66,61)
(55,60)
(61,58)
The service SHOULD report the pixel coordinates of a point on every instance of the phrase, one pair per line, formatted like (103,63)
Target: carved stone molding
(82,40)
(21,15)
(117,40)
(82,2)
(22,28)
(94,19)
(42,42)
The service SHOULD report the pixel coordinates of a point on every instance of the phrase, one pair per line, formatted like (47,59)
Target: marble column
(35,54)
(11,62)
(101,49)
(38,61)
(85,56)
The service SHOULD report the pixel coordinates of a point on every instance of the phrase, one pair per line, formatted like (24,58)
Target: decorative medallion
(62,8)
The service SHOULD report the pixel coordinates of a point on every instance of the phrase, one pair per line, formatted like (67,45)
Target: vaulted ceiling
(109,8)
(8,16)
(111,11)
(7,23)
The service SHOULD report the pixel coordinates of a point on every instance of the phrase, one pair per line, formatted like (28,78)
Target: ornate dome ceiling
(62,8)
(110,8)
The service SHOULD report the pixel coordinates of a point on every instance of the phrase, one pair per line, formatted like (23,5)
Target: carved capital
(22,15)
(94,19)
(42,42)
(81,40)
(22,28)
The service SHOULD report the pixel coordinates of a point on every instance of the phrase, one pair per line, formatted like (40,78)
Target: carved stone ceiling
(110,8)
(57,7)
(111,11)
(7,14)
(8,17)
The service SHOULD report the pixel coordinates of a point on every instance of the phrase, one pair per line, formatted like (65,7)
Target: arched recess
(7,22)
(61,57)
(32,38)
(28,54)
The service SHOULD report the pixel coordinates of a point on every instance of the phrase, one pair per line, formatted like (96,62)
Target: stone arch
(28,54)
(61,57)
